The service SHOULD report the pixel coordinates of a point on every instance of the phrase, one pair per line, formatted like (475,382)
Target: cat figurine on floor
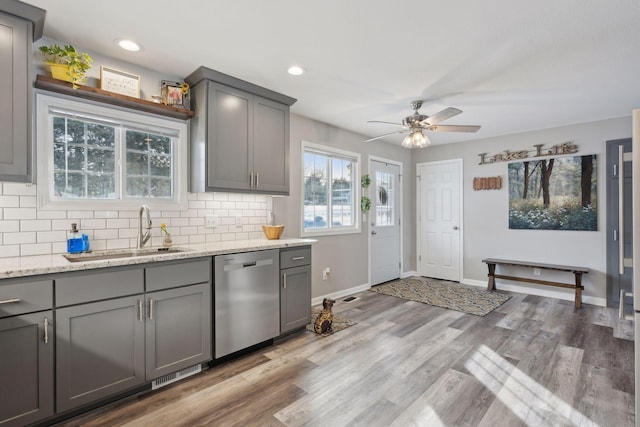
(325,318)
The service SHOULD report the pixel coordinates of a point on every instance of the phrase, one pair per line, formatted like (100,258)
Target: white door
(384,217)
(439,235)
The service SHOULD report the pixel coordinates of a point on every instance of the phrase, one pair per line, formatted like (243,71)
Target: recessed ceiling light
(295,70)
(129,45)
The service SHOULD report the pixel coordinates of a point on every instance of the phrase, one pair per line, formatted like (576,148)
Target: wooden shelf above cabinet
(95,94)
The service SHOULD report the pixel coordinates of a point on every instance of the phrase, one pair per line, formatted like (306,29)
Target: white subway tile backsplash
(19,238)
(18,189)
(10,201)
(27,201)
(35,225)
(35,249)
(20,213)
(9,226)
(25,230)
(51,236)
(9,251)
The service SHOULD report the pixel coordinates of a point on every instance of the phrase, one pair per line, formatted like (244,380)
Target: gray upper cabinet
(19,23)
(239,137)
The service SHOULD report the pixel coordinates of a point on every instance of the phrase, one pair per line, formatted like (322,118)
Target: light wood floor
(534,361)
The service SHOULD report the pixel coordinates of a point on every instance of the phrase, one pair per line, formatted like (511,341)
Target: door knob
(455,227)
(373,233)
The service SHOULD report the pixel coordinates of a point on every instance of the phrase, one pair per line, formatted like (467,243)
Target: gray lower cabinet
(100,350)
(178,329)
(26,368)
(129,337)
(295,289)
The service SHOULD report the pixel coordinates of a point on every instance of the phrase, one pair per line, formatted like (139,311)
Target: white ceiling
(510,65)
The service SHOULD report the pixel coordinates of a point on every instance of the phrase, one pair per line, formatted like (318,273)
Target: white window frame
(142,121)
(330,230)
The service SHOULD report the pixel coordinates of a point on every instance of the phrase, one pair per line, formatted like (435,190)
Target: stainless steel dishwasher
(246,300)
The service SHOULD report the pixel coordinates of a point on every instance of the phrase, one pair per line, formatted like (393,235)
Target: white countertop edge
(56,263)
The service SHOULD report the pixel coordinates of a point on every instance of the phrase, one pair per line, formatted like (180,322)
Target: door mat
(445,294)
(339,322)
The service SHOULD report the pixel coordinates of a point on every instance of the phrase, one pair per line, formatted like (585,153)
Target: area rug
(339,322)
(445,294)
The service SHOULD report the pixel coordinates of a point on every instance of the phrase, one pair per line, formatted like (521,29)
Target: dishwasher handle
(249,264)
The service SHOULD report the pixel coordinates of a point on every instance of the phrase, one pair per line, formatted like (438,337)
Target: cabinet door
(178,329)
(295,298)
(100,350)
(26,368)
(229,118)
(15,54)
(271,147)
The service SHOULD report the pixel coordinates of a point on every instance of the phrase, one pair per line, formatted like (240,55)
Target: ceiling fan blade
(386,134)
(452,128)
(442,115)
(380,121)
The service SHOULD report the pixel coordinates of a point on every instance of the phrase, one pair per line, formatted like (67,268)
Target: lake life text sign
(538,151)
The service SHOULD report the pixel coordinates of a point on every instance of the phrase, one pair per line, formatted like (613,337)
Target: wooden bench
(577,271)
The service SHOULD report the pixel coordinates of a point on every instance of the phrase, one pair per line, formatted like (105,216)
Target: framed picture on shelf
(120,82)
(175,94)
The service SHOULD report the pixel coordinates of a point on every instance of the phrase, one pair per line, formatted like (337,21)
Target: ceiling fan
(416,123)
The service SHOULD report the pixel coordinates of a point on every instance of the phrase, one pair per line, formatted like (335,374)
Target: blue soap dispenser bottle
(74,240)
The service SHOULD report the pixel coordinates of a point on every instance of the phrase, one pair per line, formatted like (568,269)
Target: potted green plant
(67,63)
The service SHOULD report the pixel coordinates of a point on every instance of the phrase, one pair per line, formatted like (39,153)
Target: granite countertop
(57,263)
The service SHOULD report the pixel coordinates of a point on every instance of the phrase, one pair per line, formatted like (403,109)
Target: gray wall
(346,255)
(486,227)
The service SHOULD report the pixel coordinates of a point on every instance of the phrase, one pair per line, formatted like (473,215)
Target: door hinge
(419,257)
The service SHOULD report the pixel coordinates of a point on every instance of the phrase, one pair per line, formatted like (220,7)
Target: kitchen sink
(124,253)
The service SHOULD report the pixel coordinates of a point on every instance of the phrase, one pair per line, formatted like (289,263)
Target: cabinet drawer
(295,257)
(26,297)
(172,275)
(98,286)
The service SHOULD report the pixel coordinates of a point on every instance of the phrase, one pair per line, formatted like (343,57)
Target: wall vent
(176,376)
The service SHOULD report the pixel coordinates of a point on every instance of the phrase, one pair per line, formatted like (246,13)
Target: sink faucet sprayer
(143,237)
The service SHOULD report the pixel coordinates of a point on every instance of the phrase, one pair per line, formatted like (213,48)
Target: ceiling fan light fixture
(416,139)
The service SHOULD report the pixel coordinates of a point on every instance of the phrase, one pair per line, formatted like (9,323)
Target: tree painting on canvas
(554,194)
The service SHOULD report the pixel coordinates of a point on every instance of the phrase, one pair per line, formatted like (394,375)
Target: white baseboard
(408,274)
(568,295)
(341,293)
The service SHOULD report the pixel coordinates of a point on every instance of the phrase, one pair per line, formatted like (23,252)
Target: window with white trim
(330,192)
(91,155)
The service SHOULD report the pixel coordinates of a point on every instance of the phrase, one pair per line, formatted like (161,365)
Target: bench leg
(491,284)
(578,289)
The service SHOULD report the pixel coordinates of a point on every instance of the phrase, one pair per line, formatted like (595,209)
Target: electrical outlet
(325,273)
(210,222)
(536,271)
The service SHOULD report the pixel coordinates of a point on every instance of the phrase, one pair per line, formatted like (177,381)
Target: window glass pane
(342,194)
(316,209)
(69,184)
(137,187)
(79,164)
(101,186)
(385,194)
(149,164)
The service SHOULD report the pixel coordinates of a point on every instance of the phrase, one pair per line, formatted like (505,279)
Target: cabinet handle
(284,280)
(150,309)
(251,180)
(297,258)
(257,177)
(10,301)
(140,310)
(46,330)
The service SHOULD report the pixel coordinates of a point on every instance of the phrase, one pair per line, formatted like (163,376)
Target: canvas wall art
(554,194)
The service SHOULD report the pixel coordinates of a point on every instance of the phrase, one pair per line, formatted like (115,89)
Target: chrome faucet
(143,237)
